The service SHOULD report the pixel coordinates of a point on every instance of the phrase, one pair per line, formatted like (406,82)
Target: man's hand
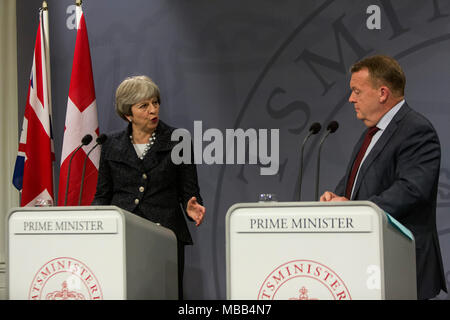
(330,196)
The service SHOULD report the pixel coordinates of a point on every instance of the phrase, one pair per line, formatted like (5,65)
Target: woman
(136,172)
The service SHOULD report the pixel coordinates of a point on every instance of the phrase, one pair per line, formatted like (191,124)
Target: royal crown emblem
(65,294)
(303,295)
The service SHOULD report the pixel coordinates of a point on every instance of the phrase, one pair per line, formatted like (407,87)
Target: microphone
(314,129)
(331,128)
(84,142)
(100,140)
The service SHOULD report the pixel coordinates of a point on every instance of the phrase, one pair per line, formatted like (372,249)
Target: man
(395,163)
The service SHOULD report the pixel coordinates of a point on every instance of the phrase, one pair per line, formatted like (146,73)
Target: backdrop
(260,64)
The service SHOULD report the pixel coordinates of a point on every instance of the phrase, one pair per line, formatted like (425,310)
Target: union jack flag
(33,172)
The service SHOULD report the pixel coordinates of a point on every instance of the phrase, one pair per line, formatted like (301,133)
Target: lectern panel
(97,252)
(294,253)
(55,255)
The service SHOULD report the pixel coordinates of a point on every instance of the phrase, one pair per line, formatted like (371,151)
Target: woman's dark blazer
(153,188)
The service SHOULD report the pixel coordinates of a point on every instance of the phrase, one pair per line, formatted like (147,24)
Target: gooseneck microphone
(314,129)
(100,140)
(331,128)
(84,142)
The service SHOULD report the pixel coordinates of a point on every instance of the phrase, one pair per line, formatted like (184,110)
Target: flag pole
(47,51)
(49,79)
(78,11)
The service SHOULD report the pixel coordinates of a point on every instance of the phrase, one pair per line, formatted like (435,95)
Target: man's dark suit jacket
(154,187)
(400,175)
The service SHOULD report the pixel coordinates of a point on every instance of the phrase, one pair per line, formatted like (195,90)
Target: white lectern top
(83,253)
(313,250)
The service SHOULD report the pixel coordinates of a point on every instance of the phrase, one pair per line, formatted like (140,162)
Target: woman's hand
(195,210)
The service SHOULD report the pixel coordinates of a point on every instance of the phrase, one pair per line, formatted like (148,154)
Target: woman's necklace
(148,145)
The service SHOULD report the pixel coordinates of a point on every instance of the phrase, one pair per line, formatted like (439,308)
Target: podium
(88,253)
(317,251)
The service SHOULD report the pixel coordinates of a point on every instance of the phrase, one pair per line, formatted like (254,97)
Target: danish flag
(81,119)
(33,172)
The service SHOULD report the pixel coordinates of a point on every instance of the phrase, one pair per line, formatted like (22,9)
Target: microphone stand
(332,127)
(100,140)
(314,129)
(85,141)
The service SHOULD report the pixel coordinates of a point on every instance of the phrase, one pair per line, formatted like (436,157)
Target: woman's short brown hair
(133,90)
